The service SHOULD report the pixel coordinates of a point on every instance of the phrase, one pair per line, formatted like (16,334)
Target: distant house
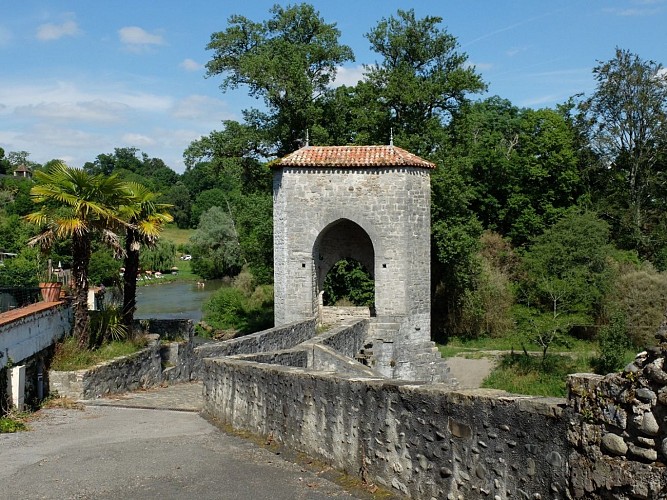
(23,171)
(4,256)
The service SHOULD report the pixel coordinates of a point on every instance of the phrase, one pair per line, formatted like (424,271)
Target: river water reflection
(174,300)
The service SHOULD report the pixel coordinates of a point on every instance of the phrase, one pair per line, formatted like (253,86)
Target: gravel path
(470,372)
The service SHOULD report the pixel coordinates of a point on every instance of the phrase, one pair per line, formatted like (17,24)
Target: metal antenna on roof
(391,136)
(307,139)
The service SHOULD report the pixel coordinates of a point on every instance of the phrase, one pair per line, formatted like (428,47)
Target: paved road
(105,452)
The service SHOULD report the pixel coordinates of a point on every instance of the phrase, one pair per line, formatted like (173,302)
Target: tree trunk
(80,261)
(130,279)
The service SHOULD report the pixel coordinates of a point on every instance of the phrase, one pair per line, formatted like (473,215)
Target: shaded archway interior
(342,239)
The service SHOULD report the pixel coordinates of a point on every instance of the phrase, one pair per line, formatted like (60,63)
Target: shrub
(614,344)
(640,295)
(242,307)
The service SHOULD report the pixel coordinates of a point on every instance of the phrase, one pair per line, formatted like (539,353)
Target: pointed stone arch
(342,239)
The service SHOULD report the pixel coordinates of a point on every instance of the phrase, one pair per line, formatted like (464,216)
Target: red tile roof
(352,156)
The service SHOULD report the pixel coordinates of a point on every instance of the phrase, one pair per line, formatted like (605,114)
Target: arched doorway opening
(344,252)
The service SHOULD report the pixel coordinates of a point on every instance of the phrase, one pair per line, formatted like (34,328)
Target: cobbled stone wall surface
(422,440)
(316,213)
(620,437)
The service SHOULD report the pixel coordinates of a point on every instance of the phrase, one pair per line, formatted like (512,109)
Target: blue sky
(81,78)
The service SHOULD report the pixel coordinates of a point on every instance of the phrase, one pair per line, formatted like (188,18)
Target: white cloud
(89,111)
(49,31)
(138,39)
(91,98)
(201,108)
(191,65)
(479,66)
(348,76)
(515,50)
(138,140)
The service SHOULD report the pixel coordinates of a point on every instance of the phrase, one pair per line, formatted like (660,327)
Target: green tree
(567,269)
(614,342)
(20,271)
(145,220)
(626,118)
(179,197)
(4,163)
(421,81)
(215,245)
(522,165)
(161,257)
(215,197)
(76,205)
(349,280)
(288,61)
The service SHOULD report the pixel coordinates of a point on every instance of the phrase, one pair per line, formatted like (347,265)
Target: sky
(81,78)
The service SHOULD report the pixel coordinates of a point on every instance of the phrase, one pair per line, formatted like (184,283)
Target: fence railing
(15,297)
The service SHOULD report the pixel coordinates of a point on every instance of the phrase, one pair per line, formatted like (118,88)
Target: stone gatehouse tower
(370,203)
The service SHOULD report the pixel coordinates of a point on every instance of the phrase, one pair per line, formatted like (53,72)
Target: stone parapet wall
(423,440)
(620,439)
(139,370)
(274,339)
(167,329)
(161,361)
(346,338)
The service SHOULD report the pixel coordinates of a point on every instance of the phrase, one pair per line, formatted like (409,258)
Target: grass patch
(69,356)
(177,236)
(457,346)
(521,374)
(11,424)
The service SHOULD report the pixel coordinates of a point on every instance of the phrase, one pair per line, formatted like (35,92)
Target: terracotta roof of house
(352,156)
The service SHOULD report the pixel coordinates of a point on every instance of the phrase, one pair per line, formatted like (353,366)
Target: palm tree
(76,205)
(145,220)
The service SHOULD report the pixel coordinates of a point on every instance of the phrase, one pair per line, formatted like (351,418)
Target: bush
(614,344)
(242,307)
(640,295)
(534,375)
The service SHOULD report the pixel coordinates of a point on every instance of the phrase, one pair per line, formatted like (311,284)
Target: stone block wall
(163,360)
(332,315)
(423,440)
(167,329)
(620,437)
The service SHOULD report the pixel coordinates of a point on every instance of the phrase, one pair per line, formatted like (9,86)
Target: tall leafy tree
(288,61)
(627,125)
(145,220)
(215,245)
(75,204)
(421,80)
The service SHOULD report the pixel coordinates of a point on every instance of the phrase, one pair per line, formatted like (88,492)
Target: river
(175,300)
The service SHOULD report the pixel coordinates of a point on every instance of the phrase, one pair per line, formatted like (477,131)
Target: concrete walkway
(177,397)
(118,448)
